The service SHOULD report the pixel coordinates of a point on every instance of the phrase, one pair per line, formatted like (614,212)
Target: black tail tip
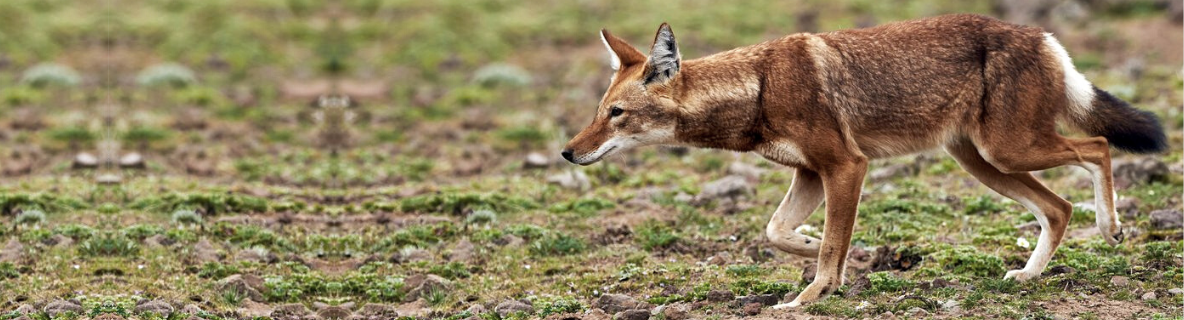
(1127,128)
(1147,138)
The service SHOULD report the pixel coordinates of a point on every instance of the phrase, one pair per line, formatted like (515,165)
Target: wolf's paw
(784,306)
(1020,275)
(1115,238)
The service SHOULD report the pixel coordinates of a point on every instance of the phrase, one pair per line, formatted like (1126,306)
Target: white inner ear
(615,60)
(664,57)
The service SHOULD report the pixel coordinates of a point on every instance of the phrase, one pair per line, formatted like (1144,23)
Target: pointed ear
(664,60)
(621,53)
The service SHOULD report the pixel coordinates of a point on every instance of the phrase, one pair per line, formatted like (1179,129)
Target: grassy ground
(253,199)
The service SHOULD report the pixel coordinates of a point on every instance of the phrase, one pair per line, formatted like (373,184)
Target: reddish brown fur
(988,91)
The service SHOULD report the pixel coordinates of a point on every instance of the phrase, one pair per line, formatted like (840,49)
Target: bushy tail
(1125,127)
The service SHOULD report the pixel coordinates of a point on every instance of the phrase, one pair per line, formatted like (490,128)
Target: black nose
(567,155)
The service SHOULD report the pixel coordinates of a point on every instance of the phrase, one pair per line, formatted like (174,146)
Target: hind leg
(803,198)
(1053,150)
(1051,211)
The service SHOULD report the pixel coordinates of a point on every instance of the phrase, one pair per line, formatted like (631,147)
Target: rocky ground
(395,159)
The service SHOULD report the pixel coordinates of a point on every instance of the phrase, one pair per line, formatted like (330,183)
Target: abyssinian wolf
(990,93)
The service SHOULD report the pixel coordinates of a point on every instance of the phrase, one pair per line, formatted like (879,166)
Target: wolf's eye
(615,111)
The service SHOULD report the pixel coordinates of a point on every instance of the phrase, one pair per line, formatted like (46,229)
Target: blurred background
(460,84)
(363,143)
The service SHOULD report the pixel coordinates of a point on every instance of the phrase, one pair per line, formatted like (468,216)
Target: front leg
(803,197)
(842,184)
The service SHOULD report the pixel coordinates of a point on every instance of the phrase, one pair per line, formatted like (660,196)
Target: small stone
(252,309)
(573,179)
(462,251)
(85,160)
(1119,281)
(1029,226)
(751,309)
(1167,219)
(1176,291)
(951,305)
(61,307)
(677,311)
(412,255)
(683,197)
(1060,269)
(13,251)
(204,251)
(476,309)
(154,306)
(1139,171)
(891,171)
(58,240)
(157,240)
(720,259)
(536,160)
(247,284)
(615,303)
(421,285)
(510,240)
(377,311)
(131,160)
(1150,295)
(251,255)
(333,312)
(809,272)
(762,299)
(191,309)
(747,170)
(720,296)
(939,283)
(290,311)
(1127,207)
(730,187)
(25,309)
(508,307)
(635,314)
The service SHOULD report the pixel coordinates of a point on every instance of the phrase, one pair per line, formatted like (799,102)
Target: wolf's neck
(720,97)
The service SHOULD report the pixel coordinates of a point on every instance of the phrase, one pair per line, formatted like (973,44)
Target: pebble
(573,179)
(1167,219)
(635,314)
(13,251)
(762,299)
(720,296)
(747,170)
(677,311)
(60,307)
(536,160)
(85,160)
(508,307)
(751,309)
(132,160)
(891,171)
(615,303)
(1150,295)
(154,306)
(727,187)
(1119,281)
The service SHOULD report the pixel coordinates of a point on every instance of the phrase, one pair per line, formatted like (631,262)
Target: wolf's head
(639,107)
